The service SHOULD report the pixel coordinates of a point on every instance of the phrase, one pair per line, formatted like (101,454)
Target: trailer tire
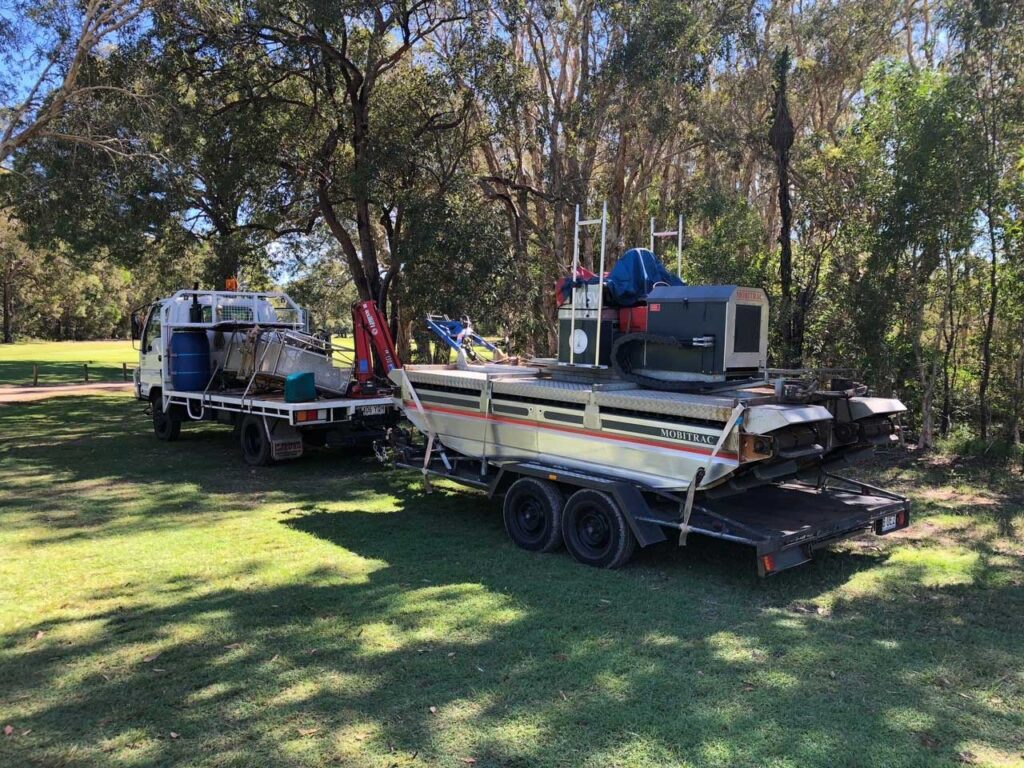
(533,514)
(256,449)
(596,531)
(165,425)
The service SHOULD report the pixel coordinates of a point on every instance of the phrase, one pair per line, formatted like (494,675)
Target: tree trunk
(8,304)
(360,190)
(782,136)
(1018,395)
(985,415)
(227,261)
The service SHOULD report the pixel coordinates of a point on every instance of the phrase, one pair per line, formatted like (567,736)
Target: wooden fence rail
(87,375)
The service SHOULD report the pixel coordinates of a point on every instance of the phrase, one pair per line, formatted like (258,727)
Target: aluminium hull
(501,413)
(520,419)
(628,450)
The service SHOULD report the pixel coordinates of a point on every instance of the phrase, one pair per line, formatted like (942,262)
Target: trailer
(228,357)
(601,519)
(658,417)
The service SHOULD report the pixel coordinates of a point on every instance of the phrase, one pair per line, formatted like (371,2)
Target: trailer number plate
(889,523)
(372,410)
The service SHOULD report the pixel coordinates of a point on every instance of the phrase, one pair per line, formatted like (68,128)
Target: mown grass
(60,362)
(165,604)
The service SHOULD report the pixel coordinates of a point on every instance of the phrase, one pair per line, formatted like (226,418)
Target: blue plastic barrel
(190,361)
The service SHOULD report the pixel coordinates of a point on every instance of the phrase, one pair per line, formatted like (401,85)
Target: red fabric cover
(633,319)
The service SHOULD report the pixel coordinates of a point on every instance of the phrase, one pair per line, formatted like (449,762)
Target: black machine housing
(685,333)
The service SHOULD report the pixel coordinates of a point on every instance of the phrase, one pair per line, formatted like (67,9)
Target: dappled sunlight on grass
(910,568)
(327,611)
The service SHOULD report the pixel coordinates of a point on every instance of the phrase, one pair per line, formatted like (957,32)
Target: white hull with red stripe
(509,413)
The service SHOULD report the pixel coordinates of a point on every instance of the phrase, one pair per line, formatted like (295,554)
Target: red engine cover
(633,320)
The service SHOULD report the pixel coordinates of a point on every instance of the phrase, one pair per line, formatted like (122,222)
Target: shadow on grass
(450,644)
(525,661)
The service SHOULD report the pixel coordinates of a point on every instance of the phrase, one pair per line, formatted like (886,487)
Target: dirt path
(29,394)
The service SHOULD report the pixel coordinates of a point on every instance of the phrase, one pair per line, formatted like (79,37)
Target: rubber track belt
(624,369)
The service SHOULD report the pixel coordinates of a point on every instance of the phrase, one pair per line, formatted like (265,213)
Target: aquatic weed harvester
(658,418)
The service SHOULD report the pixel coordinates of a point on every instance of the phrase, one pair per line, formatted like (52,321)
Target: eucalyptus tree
(365,99)
(587,101)
(48,47)
(988,36)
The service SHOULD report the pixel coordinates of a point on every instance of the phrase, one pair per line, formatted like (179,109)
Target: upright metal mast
(580,223)
(676,233)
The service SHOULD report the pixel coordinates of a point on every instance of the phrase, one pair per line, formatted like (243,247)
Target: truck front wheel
(165,426)
(256,447)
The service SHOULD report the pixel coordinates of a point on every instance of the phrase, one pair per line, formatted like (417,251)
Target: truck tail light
(304,416)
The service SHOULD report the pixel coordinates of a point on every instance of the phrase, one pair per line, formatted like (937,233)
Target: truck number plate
(888,523)
(372,410)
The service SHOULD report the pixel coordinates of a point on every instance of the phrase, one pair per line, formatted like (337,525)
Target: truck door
(151,352)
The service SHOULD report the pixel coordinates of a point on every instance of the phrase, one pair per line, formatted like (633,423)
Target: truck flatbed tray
(273,404)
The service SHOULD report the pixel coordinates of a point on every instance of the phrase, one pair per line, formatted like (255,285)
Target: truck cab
(148,374)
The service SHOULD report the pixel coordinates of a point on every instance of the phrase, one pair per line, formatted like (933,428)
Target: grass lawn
(165,604)
(60,362)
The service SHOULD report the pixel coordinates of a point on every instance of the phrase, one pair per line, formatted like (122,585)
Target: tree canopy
(861,160)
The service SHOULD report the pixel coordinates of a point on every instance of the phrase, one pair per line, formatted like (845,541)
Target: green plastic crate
(300,388)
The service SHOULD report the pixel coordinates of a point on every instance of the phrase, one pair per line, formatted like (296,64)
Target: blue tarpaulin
(635,274)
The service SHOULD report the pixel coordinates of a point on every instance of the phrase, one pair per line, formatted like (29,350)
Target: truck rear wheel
(165,426)
(596,531)
(533,514)
(256,448)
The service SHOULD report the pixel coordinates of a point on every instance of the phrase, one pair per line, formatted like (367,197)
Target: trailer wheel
(533,514)
(596,531)
(165,426)
(255,444)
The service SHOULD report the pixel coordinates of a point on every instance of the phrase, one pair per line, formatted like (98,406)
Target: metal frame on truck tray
(785,522)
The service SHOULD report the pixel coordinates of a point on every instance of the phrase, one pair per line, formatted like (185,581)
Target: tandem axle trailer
(601,519)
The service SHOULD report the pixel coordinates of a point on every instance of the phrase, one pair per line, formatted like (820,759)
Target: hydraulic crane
(375,351)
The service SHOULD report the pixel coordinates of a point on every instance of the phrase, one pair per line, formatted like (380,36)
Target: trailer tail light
(781,559)
(891,522)
(755,447)
(305,416)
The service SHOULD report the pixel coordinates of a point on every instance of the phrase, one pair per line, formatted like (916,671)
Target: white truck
(230,356)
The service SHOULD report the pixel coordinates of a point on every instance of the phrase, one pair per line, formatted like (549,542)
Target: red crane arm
(374,348)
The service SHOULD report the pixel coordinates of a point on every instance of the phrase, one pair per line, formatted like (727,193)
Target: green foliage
(725,244)
(459,263)
(324,286)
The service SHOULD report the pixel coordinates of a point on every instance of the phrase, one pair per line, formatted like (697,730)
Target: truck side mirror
(136,326)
